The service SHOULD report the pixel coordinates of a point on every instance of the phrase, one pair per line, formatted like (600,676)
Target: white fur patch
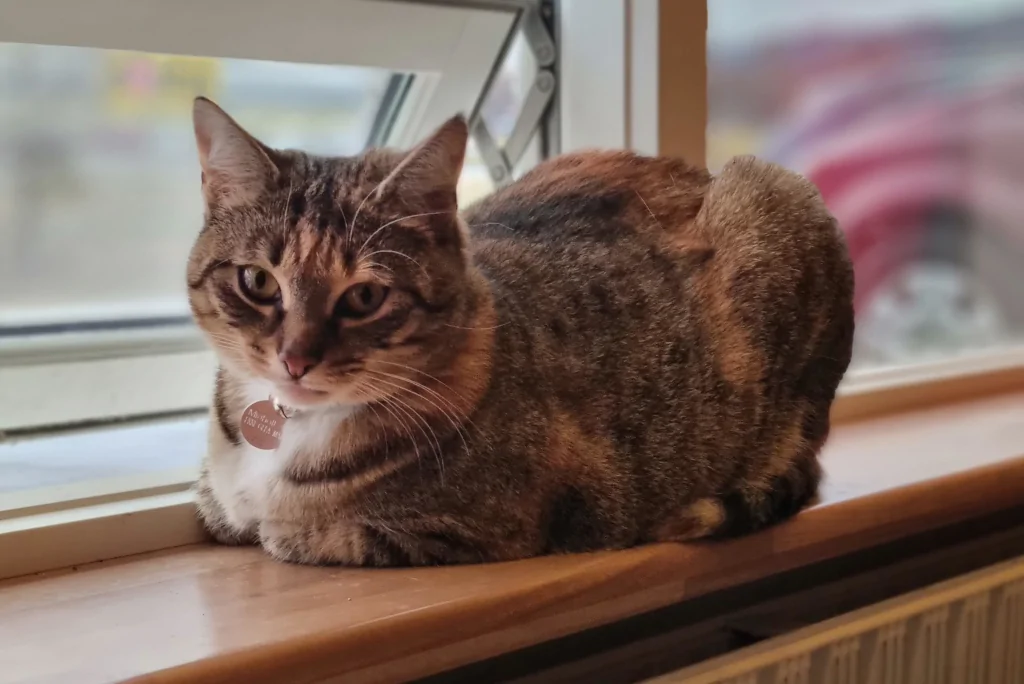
(242,477)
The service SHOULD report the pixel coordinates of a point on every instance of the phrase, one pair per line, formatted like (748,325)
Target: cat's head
(331,280)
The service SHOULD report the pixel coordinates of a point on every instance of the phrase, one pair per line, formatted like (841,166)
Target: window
(909,116)
(100,202)
(906,114)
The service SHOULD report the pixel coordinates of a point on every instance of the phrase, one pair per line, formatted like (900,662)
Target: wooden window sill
(213,614)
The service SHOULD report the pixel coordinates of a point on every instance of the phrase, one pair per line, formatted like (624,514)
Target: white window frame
(593,96)
(74,378)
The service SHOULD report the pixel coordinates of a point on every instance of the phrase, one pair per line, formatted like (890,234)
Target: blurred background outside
(99,181)
(909,116)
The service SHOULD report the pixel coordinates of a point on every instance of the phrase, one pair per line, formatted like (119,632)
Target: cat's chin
(300,397)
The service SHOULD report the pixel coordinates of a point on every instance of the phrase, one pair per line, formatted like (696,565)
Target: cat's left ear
(237,168)
(428,175)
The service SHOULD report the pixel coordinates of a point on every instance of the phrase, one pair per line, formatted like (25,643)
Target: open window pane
(99,181)
(475,181)
(500,111)
(508,94)
(909,115)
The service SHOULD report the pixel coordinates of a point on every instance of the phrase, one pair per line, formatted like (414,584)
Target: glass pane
(475,181)
(99,181)
(511,85)
(909,116)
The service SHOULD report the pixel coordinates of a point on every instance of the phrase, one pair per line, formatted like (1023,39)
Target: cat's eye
(258,284)
(362,300)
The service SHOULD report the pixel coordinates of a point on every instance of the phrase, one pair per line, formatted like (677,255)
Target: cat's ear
(236,166)
(429,173)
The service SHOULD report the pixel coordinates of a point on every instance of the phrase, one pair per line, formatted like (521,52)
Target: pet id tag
(262,423)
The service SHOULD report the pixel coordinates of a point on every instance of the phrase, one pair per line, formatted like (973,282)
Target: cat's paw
(287,542)
(288,549)
(231,536)
(334,544)
(222,530)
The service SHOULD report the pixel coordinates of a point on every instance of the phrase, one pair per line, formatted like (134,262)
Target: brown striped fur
(613,350)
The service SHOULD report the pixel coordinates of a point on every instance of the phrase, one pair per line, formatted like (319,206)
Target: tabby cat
(613,350)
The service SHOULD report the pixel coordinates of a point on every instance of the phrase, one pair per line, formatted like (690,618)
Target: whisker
(224,341)
(449,409)
(649,210)
(462,327)
(454,414)
(390,401)
(345,221)
(427,375)
(391,223)
(391,251)
(454,407)
(357,390)
(376,264)
(355,217)
(421,421)
(400,388)
(384,404)
(390,530)
(287,203)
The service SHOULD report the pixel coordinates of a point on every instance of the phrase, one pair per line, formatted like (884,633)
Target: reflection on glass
(909,116)
(99,183)
(513,82)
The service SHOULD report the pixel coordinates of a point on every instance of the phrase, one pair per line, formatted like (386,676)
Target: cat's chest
(244,478)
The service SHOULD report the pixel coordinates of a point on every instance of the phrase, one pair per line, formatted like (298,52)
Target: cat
(610,351)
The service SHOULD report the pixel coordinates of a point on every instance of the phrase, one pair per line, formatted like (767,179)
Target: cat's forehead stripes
(316,266)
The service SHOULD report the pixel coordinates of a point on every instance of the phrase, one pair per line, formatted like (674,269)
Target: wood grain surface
(212,614)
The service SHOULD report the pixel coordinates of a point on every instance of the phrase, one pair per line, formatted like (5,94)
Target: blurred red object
(885,177)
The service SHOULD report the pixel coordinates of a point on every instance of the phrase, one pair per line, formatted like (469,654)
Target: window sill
(204,613)
(89,495)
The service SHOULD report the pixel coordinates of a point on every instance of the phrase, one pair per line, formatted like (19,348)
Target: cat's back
(754,248)
(595,197)
(595,238)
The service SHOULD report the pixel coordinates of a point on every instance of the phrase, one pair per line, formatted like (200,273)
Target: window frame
(455,42)
(623,41)
(86,376)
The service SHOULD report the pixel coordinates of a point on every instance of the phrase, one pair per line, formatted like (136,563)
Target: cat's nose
(297,365)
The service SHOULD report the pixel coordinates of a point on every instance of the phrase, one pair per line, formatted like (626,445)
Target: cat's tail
(752,508)
(748,508)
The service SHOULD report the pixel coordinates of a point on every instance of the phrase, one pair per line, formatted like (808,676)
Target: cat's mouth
(297,395)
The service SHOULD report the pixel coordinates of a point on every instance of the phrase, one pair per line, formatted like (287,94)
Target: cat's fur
(613,350)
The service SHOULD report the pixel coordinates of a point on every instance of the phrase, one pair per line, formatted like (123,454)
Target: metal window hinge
(535,24)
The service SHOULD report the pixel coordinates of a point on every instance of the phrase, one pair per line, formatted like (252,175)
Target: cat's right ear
(236,166)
